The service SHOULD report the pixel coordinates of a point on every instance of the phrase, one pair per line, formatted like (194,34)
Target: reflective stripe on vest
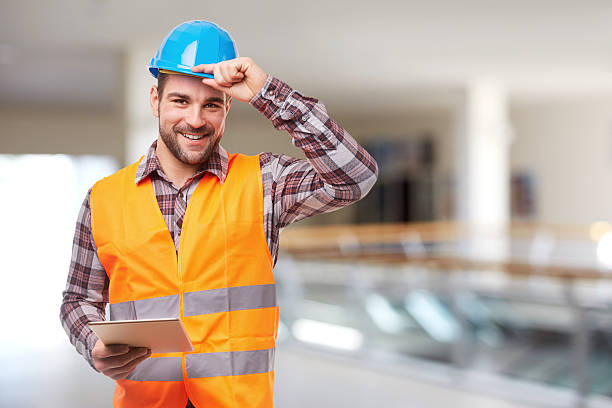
(197,303)
(229,299)
(204,365)
(229,363)
(158,369)
(155,308)
(219,282)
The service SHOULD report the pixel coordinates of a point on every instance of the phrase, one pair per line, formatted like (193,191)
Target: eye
(179,101)
(212,106)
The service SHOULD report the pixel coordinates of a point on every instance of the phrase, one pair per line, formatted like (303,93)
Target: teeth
(192,137)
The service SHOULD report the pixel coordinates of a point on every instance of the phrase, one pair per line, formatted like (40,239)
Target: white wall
(566,144)
(67,130)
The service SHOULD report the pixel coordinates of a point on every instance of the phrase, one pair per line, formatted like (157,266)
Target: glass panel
(531,329)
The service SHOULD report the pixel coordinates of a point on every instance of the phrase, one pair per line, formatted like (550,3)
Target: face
(191,118)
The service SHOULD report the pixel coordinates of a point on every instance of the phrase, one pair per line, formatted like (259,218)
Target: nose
(195,118)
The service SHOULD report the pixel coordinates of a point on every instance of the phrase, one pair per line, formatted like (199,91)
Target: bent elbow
(369,182)
(350,193)
(361,182)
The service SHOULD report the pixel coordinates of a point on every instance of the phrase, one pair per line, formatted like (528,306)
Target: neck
(177,171)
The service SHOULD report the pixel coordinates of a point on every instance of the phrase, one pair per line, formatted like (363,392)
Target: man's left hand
(239,78)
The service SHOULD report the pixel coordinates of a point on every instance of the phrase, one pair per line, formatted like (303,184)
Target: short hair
(161,82)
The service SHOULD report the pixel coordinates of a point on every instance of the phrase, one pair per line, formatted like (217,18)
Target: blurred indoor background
(477,273)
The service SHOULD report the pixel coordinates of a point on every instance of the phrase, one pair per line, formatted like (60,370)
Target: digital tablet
(159,335)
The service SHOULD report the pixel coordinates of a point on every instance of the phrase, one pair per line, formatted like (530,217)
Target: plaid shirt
(337,172)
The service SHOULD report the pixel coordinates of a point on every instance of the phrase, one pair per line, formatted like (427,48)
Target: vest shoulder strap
(103,193)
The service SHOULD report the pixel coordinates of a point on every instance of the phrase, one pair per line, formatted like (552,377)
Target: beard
(170,139)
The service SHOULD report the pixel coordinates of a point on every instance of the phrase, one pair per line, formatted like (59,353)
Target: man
(191,231)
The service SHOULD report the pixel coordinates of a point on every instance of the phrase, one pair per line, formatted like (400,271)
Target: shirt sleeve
(337,172)
(86,293)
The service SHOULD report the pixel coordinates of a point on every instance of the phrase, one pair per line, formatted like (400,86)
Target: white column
(141,124)
(483,168)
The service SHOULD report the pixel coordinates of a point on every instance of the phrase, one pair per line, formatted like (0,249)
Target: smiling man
(191,122)
(191,231)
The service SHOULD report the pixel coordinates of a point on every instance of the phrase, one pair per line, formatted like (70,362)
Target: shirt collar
(216,164)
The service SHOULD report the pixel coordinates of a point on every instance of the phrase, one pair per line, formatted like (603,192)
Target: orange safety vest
(219,283)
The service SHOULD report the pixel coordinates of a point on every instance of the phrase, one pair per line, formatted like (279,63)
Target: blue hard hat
(193,43)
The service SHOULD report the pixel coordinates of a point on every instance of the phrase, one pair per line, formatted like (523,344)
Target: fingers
(230,74)
(120,373)
(224,78)
(123,359)
(102,351)
(226,73)
(214,84)
(239,78)
(117,361)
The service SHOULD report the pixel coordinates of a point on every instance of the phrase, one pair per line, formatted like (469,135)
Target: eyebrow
(215,99)
(177,95)
(186,97)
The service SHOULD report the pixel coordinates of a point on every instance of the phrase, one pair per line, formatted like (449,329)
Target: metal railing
(406,292)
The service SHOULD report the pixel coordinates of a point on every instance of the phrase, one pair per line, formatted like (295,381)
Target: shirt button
(271,93)
(304,118)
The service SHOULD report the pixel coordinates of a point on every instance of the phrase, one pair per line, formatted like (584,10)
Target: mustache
(201,131)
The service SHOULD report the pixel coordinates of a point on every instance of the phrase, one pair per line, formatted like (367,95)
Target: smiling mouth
(192,137)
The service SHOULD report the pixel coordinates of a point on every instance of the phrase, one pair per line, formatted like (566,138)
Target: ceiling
(72,52)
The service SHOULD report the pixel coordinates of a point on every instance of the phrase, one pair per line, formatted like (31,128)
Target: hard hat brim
(155,72)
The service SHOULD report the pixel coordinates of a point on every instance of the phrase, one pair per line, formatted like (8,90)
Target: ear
(154,100)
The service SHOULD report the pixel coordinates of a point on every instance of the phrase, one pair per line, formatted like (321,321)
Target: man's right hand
(117,361)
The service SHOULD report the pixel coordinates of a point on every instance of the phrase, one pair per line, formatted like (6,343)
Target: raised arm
(337,172)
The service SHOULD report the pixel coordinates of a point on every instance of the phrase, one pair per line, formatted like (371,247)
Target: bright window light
(599,229)
(327,334)
(41,196)
(604,250)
